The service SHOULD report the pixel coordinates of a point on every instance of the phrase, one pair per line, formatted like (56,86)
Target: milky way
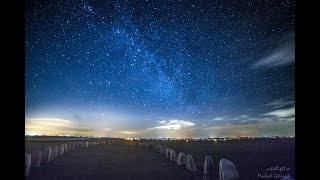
(143,67)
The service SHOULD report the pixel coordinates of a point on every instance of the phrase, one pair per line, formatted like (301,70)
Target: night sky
(171,68)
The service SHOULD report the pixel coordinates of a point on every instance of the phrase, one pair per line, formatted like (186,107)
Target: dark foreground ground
(127,161)
(251,157)
(124,161)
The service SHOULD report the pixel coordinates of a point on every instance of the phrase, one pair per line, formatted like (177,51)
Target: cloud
(283,55)
(288,119)
(219,118)
(278,110)
(50,120)
(128,132)
(243,116)
(174,124)
(282,113)
(54,126)
(107,129)
(162,122)
(284,102)
(284,128)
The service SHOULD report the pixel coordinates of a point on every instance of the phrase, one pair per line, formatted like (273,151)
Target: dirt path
(124,161)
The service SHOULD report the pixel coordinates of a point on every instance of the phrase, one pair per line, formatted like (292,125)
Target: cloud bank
(274,118)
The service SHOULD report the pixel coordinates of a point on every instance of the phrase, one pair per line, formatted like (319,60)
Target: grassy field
(250,156)
(127,161)
(111,161)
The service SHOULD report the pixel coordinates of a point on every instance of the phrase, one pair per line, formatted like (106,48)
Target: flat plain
(127,161)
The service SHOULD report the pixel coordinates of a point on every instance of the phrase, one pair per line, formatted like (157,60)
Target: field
(127,161)
(250,156)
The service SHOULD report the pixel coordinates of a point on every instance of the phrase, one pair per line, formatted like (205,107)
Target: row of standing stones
(41,158)
(227,169)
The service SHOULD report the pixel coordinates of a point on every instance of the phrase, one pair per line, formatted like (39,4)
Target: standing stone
(208,165)
(55,152)
(167,152)
(190,164)
(27,164)
(158,148)
(227,170)
(181,159)
(69,146)
(36,158)
(173,156)
(46,155)
(86,144)
(73,146)
(163,150)
(61,149)
(65,148)
(151,146)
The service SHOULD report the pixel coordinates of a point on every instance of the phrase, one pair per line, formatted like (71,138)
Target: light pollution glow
(165,128)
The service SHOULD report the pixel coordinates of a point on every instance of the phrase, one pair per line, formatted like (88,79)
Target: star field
(132,64)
